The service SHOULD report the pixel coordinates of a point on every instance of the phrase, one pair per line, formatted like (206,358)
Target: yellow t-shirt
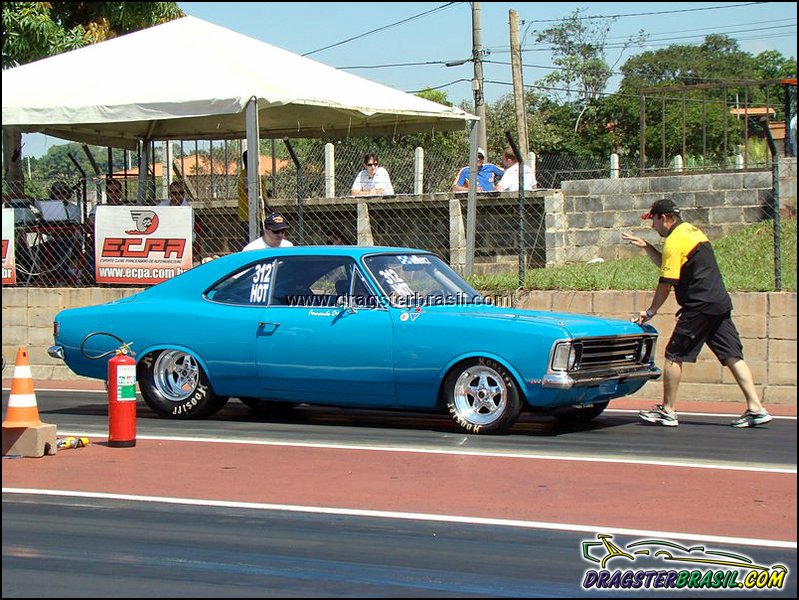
(244,200)
(688,264)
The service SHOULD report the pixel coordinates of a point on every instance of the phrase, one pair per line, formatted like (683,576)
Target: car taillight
(55,329)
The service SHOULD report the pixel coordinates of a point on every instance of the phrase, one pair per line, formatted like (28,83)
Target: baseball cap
(481,152)
(276,222)
(662,207)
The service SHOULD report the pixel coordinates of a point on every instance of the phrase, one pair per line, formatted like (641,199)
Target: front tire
(482,396)
(259,405)
(174,385)
(580,415)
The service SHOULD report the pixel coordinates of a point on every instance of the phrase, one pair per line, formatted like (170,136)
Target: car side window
(311,280)
(362,295)
(249,286)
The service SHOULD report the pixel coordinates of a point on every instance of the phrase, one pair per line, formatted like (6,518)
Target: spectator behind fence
(113,196)
(244,200)
(62,192)
(373,180)
(487,175)
(274,234)
(177,196)
(510,180)
(792,135)
(66,240)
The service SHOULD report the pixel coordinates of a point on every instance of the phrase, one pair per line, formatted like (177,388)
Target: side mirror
(346,304)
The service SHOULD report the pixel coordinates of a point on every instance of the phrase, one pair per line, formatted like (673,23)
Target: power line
(646,14)
(706,32)
(383,28)
(438,87)
(392,65)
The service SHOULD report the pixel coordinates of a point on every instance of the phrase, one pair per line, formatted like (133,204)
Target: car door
(316,345)
(228,332)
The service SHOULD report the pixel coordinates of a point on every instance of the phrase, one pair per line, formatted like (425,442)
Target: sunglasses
(371,164)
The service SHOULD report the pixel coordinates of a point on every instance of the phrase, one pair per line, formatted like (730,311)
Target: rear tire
(174,385)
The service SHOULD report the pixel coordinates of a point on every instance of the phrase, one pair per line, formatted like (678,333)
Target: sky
(405,44)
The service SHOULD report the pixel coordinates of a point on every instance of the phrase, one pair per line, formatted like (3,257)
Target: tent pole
(253,173)
(471,199)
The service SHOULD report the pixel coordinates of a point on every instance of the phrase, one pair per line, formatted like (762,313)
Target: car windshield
(419,279)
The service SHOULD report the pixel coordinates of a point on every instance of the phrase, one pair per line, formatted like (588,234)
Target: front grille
(613,352)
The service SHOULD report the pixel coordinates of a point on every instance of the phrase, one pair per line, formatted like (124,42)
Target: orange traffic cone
(22,410)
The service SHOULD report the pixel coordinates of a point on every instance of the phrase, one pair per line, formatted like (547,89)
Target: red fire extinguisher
(122,399)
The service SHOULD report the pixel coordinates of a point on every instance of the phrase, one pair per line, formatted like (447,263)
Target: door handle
(267,327)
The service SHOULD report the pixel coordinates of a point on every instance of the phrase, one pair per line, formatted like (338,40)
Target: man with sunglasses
(689,266)
(487,175)
(373,180)
(274,234)
(177,196)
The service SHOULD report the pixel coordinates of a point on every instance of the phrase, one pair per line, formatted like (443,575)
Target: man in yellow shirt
(244,200)
(688,265)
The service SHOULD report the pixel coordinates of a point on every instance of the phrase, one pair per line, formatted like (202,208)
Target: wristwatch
(649,314)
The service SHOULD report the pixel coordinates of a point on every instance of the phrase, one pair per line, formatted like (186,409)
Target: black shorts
(694,329)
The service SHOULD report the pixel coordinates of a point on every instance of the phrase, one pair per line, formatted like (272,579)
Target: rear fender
(146,355)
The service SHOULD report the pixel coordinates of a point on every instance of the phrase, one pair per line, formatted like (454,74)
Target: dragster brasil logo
(145,223)
(732,571)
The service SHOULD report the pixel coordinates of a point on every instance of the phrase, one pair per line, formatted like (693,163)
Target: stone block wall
(587,222)
(766,321)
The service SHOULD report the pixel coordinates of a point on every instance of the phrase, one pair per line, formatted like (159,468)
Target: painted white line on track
(354,512)
(478,453)
(697,414)
(607,410)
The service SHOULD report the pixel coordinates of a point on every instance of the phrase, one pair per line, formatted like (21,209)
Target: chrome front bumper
(56,352)
(564,381)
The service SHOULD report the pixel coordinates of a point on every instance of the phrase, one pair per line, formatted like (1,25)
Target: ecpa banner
(140,245)
(9,263)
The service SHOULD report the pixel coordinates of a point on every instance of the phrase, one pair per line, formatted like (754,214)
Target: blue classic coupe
(356,326)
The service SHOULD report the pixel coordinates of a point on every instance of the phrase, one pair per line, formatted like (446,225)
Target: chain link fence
(562,222)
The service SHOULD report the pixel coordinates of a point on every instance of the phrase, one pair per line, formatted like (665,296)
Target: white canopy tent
(190,79)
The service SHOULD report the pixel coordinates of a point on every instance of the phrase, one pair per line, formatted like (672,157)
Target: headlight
(647,350)
(566,356)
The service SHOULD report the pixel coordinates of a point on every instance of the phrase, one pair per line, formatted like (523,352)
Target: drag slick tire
(482,396)
(174,385)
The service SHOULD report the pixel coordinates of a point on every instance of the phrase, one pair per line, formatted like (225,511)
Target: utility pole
(518,84)
(477,82)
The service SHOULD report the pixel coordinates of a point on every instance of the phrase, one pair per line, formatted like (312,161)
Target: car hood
(569,325)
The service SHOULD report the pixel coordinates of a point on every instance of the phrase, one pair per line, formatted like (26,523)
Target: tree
(36,30)
(581,70)
(705,79)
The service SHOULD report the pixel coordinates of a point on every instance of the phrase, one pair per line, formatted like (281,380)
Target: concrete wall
(766,321)
(589,218)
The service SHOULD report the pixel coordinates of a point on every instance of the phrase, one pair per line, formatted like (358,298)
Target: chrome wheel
(176,375)
(174,385)
(480,395)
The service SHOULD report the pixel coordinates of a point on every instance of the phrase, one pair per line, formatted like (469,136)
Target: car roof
(353,251)
(204,274)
